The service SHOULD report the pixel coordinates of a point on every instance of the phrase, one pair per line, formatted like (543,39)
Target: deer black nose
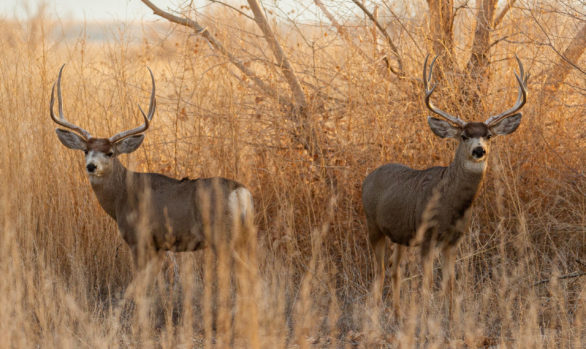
(478,152)
(91,168)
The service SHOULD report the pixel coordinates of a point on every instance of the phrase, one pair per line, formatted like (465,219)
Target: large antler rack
(147,117)
(521,98)
(85,134)
(61,120)
(427,78)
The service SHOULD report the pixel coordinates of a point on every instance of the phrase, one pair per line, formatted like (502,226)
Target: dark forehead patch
(99,144)
(476,129)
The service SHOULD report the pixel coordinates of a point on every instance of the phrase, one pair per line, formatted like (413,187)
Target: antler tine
(61,120)
(153,101)
(521,97)
(428,92)
(147,117)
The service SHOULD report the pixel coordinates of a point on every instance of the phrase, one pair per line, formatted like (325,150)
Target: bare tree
(441,29)
(341,29)
(296,104)
(399,70)
(478,64)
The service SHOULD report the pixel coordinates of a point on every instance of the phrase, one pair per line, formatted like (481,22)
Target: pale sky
(90,10)
(104,10)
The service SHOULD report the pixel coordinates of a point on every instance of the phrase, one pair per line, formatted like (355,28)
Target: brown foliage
(306,280)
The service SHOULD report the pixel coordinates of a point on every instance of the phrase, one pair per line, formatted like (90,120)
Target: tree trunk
(478,74)
(441,27)
(282,61)
(299,112)
(567,60)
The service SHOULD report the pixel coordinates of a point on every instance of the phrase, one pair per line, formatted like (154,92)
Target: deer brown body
(158,205)
(154,212)
(399,201)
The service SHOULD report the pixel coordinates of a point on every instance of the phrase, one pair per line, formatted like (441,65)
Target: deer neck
(463,177)
(110,189)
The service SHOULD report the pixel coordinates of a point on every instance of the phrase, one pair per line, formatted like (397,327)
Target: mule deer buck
(154,213)
(398,201)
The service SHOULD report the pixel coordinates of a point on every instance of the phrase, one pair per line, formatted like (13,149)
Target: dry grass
(306,278)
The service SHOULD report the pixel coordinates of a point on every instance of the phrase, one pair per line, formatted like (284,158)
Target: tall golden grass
(306,277)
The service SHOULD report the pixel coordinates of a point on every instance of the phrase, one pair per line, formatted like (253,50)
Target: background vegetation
(303,153)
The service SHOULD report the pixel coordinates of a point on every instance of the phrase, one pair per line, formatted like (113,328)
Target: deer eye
(85,152)
(109,154)
(489,136)
(464,138)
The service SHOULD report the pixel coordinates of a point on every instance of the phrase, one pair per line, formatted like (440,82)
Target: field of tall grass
(306,277)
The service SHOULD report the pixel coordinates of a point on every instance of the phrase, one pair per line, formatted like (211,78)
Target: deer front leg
(448,254)
(427,263)
(378,244)
(170,266)
(144,272)
(396,277)
(135,300)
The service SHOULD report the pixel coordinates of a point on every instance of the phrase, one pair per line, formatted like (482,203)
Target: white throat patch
(475,166)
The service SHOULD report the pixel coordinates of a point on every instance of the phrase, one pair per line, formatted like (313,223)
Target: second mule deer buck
(396,197)
(154,213)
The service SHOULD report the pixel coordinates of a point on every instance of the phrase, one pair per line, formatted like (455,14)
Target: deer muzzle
(478,152)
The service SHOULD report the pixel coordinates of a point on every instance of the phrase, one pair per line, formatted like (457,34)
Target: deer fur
(400,201)
(154,212)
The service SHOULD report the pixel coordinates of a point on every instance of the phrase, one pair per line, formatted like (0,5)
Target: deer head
(100,152)
(474,136)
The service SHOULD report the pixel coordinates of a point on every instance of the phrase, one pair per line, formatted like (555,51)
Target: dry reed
(305,280)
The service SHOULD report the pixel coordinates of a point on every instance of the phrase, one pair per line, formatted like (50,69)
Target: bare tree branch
(393,47)
(305,133)
(574,49)
(460,8)
(232,8)
(571,54)
(575,274)
(262,86)
(282,61)
(341,30)
(415,42)
(499,40)
(503,13)
(441,22)
(479,61)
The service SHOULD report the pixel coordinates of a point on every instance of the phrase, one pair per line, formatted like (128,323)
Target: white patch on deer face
(476,149)
(99,158)
(98,164)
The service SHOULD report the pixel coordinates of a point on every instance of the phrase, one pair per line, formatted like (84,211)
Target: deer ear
(507,125)
(443,128)
(71,140)
(130,144)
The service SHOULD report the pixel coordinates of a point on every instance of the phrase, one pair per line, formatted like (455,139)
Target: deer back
(171,214)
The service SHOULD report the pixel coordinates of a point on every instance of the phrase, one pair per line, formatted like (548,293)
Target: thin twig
(341,30)
(566,276)
(393,47)
(282,60)
(504,11)
(265,88)
(415,42)
(233,8)
(497,41)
